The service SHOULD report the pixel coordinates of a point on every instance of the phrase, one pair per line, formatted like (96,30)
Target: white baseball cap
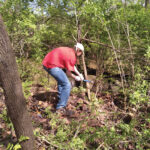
(80,46)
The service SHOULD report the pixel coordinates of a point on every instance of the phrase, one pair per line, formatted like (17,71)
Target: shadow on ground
(49,97)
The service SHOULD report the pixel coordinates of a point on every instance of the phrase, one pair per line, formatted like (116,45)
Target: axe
(88,81)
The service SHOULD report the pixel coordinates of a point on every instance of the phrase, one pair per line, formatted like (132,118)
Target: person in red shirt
(54,62)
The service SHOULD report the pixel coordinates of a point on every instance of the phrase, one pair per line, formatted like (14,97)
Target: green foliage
(17,146)
(126,27)
(114,137)
(6,119)
(77,143)
(13,147)
(61,135)
(64,134)
(23,138)
(26,88)
(147,55)
(139,90)
(78,90)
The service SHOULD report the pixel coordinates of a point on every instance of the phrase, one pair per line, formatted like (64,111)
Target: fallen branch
(43,138)
(47,142)
(77,132)
(100,146)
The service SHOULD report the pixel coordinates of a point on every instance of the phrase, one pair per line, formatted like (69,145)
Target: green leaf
(23,138)
(17,146)
(10,146)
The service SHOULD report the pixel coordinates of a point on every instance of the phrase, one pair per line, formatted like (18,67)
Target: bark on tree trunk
(14,98)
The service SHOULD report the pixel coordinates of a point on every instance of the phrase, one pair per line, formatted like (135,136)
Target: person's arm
(76,70)
(77,78)
(70,74)
(78,73)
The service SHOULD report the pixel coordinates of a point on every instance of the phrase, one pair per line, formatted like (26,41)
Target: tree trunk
(14,98)
(147,3)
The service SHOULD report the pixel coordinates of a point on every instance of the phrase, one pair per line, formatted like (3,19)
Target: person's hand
(77,78)
(81,76)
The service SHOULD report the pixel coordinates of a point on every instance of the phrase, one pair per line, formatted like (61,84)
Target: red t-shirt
(62,57)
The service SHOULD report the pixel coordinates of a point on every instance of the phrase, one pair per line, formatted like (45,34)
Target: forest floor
(41,104)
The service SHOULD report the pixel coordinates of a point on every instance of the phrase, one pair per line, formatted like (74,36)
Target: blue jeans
(64,85)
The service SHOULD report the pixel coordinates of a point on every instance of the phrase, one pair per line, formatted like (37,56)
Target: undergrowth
(115,134)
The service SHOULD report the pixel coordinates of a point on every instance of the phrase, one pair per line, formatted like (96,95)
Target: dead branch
(102,44)
(83,60)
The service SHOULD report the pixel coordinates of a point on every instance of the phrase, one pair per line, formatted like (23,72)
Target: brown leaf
(43,120)
(40,103)
(45,104)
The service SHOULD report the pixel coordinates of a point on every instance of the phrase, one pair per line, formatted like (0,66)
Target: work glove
(81,76)
(77,78)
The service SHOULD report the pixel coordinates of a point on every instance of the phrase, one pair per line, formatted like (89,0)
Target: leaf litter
(42,103)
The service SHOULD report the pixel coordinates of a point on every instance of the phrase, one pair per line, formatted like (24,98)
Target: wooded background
(116,37)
